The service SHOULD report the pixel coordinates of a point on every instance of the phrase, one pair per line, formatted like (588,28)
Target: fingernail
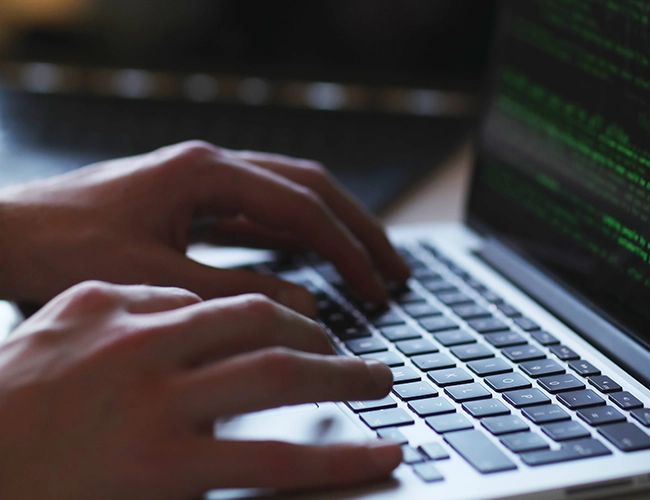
(380,373)
(385,454)
(299,300)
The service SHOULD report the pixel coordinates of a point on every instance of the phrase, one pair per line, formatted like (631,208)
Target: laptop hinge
(610,340)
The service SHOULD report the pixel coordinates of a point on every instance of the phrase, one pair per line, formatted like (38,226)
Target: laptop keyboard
(489,382)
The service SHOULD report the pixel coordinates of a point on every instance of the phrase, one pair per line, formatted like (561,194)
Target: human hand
(127,221)
(110,391)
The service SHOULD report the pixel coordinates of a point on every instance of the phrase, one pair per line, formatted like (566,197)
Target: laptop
(519,347)
(86,82)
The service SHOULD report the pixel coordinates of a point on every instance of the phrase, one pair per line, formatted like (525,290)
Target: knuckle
(259,306)
(93,296)
(197,151)
(281,366)
(310,197)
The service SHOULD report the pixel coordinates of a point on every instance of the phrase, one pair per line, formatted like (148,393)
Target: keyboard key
(427,472)
(451,422)
(416,346)
(486,408)
(451,376)
(421,310)
(563,431)
(470,311)
(377,404)
(523,442)
(455,337)
(508,382)
(387,357)
(575,400)
(472,352)
(400,332)
(407,296)
(404,374)
(541,368)
(387,318)
(411,455)
(414,390)
(438,324)
(584,368)
(544,338)
(431,406)
(467,392)
(392,434)
(505,339)
(563,352)
(508,310)
(571,450)
(604,384)
(425,273)
(642,415)
(506,424)
(487,325)
(364,346)
(625,436)
(561,383)
(526,324)
(435,361)
(438,286)
(519,354)
(485,367)
(434,451)
(545,414)
(386,418)
(479,451)
(454,298)
(625,400)
(601,415)
(526,397)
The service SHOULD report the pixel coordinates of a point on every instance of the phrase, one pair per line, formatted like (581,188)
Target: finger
(360,222)
(277,377)
(143,299)
(288,466)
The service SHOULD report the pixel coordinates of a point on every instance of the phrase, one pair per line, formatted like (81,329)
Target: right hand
(110,391)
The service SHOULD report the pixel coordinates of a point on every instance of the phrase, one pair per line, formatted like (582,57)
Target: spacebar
(479,451)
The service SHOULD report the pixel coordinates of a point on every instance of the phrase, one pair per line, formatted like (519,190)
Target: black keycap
(486,408)
(400,332)
(626,436)
(425,273)
(563,431)
(438,324)
(563,352)
(427,472)
(364,346)
(354,332)
(475,284)
(541,368)
(414,390)
(387,357)
(411,455)
(601,415)
(451,422)
(526,397)
(625,400)
(339,319)
(523,442)
(467,392)
(455,337)
(407,296)
(545,414)
(421,310)
(472,352)
(376,404)
(506,424)
(386,418)
(416,346)
(434,451)
(431,406)
(575,400)
(438,286)
(387,318)
(526,324)
(404,374)
(505,339)
(508,310)
(471,311)
(454,298)
(571,450)
(479,451)
(508,382)
(642,415)
(485,367)
(490,296)
(519,354)
(561,383)
(392,434)
(604,384)
(584,368)
(487,325)
(435,361)
(544,338)
(450,376)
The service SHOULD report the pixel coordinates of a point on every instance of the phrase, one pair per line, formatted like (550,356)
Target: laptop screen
(563,170)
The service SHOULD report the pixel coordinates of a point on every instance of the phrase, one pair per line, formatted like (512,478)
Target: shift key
(479,451)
